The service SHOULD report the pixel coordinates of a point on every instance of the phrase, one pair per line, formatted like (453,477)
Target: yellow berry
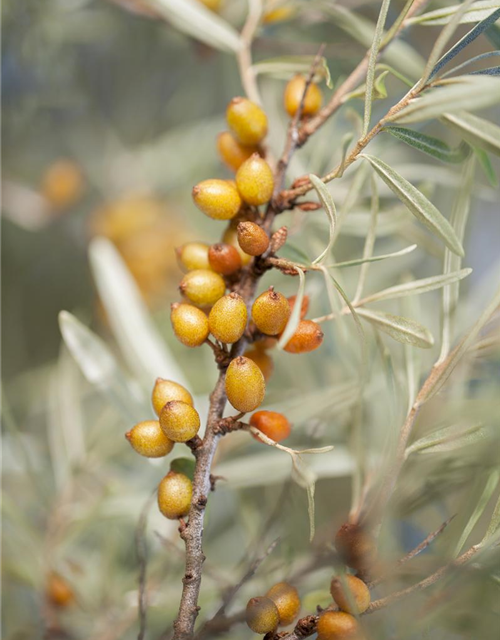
(245,385)
(179,421)
(354,597)
(232,152)
(270,312)
(286,598)
(280,14)
(213,5)
(174,495)
(218,199)
(193,255)
(190,324)
(202,287)
(231,237)
(224,258)
(274,425)
(337,625)
(167,390)
(252,238)
(228,318)
(293,95)
(148,439)
(356,546)
(263,360)
(254,180)
(62,185)
(307,337)
(262,615)
(247,121)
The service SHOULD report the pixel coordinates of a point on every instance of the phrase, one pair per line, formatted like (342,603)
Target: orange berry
(293,95)
(304,307)
(232,152)
(213,5)
(262,615)
(179,421)
(202,287)
(245,385)
(62,185)
(255,181)
(307,337)
(356,546)
(218,199)
(190,324)
(280,14)
(193,255)
(224,258)
(58,590)
(270,312)
(247,121)
(286,598)
(231,237)
(252,238)
(274,425)
(337,625)
(167,390)
(263,360)
(174,495)
(228,318)
(148,439)
(354,598)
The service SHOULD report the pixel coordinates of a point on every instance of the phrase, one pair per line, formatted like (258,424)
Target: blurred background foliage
(109,118)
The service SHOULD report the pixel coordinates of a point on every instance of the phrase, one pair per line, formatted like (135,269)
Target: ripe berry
(174,495)
(213,5)
(58,591)
(245,385)
(148,439)
(167,390)
(307,337)
(270,312)
(193,255)
(190,324)
(286,598)
(247,121)
(224,258)
(263,360)
(274,425)
(252,238)
(179,421)
(231,237)
(218,199)
(354,598)
(337,625)
(262,615)
(232,152)
(203,287)
(356,546)
(293,95)
(304,307)
(228,318)
(254,180)
(63,184)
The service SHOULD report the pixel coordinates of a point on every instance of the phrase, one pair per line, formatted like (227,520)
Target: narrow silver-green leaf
(475,130)
(417,204)
(284,67)
(401,329)
(293,321)
(417,286)
(478,11)
(385,256)
(461,94)
(428,144)
(197,21)
(486,166)
(494,525)
(329,207)
(447,439)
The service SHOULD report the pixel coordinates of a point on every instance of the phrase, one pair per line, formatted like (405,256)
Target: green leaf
(493,35)
(293,321)
(460,94)
(306,479)
(469,37)
(417,286)
(427,144)
(478,11)
(494,522)
(401,329)
(184,465)
(329,207)
(199,22)
(284,67)
(385,256)
(486,166)
(474,60)
(344,144)
(447,439)
(475,130)
(417,204)
(370,73)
